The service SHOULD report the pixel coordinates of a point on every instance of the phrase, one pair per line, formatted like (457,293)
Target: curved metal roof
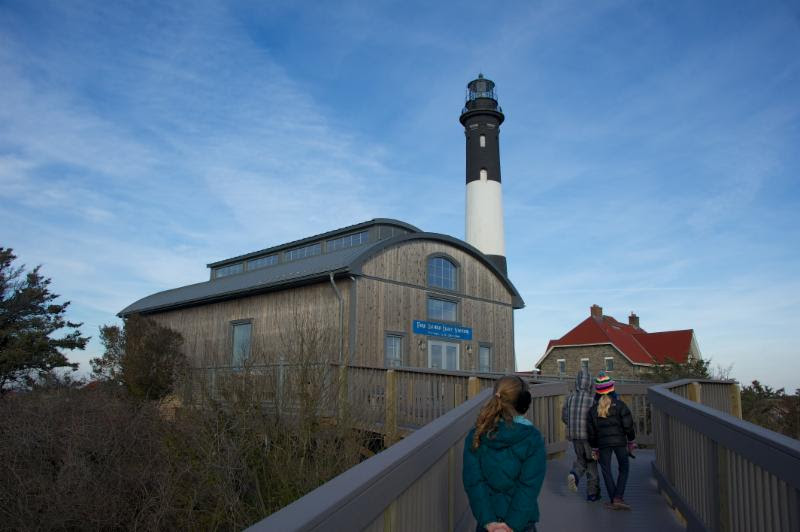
(300,272)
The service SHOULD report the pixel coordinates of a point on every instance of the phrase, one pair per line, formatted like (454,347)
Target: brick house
(624,351)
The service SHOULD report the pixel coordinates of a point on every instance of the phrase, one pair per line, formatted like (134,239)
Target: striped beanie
(603,383)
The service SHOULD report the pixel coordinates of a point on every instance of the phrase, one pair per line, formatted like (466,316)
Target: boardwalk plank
(562,510)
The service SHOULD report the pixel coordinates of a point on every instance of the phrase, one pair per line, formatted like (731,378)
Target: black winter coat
(614,430)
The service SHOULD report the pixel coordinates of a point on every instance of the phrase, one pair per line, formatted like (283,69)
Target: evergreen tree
(144,356)
(673,371)
(29,316)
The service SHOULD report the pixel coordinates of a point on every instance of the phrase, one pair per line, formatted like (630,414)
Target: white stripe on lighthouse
(485,217)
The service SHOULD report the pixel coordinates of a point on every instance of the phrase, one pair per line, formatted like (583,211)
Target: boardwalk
(562,510)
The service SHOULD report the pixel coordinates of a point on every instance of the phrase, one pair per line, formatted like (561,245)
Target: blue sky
(650,152)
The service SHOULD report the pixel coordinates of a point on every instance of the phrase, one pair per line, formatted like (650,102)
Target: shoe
(621,504)
(610,506)
(572,482)
(593,497)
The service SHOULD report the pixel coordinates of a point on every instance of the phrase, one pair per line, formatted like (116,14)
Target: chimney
(633,320)
(596,311)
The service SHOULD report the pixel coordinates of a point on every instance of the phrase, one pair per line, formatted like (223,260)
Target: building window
(585,364)
(609,363)
(483,141)
(225,271)
(262,262)
(484,174)
(443,355)
(484,359)
(241,343)
(562,366)
(442,309)
(393,350)
(303,252)
(348,241)
(442,273)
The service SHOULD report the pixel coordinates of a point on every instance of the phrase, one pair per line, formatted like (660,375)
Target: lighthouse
(481,118)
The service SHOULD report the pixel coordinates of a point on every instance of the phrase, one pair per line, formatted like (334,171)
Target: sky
(650,154)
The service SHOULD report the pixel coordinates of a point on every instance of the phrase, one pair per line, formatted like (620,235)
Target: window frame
(457,345)
(363,238)
(228,267)
(402,352)
(439,297)
(605,364)
(558,366)
(587,364)
(275,260)
(457,277)
(233,325)
(485,345)
(287,255)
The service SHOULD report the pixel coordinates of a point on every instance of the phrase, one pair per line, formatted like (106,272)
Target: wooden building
(380,293)
(623,350)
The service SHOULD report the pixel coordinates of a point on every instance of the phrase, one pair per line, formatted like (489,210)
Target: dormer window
(231,269)
(262,262)
(442,273)
(348,241)
(303,252)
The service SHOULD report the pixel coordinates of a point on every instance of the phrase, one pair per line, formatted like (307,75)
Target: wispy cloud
(648,158)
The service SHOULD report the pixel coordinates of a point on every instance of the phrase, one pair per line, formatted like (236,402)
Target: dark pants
(614,489)
(585,464)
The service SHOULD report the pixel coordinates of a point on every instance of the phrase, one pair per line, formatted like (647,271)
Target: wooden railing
(720,472)
(413,485)
(416,483)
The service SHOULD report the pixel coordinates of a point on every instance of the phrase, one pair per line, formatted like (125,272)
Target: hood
(507,435)
(583,381)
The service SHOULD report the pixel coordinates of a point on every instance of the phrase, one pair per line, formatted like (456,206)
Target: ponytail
(501,406)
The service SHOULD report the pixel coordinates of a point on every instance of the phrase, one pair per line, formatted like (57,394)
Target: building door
(443,355)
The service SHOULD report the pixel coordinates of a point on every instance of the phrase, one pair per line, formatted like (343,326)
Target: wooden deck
(563,510)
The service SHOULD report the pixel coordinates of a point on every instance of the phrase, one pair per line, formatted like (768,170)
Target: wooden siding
(396,294)
(407,263)
(276,318)
(392,295)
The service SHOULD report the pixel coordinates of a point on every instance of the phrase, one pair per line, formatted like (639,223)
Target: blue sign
(432,328)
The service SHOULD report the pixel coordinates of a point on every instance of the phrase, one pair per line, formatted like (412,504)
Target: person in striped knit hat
(610,432)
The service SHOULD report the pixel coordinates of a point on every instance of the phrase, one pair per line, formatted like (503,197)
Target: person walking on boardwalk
(505,461)
(610,431)
(575,414)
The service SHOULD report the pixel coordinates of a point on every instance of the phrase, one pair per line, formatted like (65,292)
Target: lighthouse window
(483,141)
(484,174)
(442,273)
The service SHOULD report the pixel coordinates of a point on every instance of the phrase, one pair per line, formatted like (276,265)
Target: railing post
(736,400)
(473,387)
(390,400)
(695,392)
(724,492)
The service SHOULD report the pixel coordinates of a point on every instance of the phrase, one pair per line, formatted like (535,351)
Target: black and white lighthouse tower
(481,118)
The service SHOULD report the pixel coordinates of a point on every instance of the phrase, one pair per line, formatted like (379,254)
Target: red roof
(635,343)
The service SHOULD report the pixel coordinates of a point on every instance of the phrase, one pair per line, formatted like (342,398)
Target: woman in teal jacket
(505,461)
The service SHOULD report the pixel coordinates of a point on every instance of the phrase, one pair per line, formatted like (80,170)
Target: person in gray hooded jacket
(574,415)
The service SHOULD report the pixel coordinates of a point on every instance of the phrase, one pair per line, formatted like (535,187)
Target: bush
(98,458)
